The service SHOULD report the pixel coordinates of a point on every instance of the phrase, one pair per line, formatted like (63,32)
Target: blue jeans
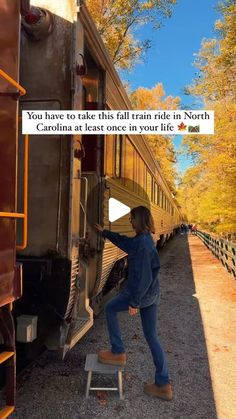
(149,324)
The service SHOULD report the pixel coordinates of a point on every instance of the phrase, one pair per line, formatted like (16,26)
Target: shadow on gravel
(56,389)
(182,334)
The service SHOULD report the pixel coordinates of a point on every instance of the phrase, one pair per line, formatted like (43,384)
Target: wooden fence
(223,249)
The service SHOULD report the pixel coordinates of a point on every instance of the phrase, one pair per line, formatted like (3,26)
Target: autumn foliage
(207,191)
(116,21)
(161,145)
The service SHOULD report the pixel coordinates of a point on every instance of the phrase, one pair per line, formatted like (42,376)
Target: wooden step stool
(92,365)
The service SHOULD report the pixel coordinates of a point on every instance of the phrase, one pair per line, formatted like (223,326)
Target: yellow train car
(116,166)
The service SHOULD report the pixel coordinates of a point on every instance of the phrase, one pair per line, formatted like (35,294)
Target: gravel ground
(197,330)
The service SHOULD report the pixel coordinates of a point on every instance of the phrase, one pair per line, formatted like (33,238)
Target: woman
(141,293)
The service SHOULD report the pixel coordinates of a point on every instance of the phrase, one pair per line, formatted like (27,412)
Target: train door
(92,172)
(81,316)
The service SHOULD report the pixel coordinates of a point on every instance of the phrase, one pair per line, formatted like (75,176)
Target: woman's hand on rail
(98,227)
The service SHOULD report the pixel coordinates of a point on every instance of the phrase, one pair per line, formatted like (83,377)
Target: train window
(135,166)
(155,192)
(109,155)
(136,172)
(149,185)
(139,174)
(160,197)
(129,164)
(140,166)
(118,155)
(145,178)
(159,192)
(157,195)
(163,200)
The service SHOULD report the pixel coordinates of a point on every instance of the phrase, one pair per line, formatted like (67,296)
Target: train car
(118,166)
(10,271)
(63,182)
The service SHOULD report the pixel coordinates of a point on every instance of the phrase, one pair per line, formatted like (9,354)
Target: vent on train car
(38,23)
(33,16)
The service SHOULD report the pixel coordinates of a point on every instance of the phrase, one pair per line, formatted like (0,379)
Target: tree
(211,198)
(117,20)
(161,145)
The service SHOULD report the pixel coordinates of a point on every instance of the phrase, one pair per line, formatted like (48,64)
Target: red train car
(10,271)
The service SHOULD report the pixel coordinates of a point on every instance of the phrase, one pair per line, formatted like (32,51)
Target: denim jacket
(143,266)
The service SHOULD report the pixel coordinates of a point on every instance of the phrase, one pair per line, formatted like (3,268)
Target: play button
(117,209)
(103,208)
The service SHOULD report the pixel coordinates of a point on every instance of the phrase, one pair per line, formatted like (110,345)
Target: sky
(170,59)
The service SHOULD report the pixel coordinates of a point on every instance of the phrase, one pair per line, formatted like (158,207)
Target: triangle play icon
(117,209)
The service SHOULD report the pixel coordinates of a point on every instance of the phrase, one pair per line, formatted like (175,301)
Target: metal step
(80,327)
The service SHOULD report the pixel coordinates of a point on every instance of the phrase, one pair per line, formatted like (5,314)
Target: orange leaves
(182,127)
(153,98)
(116,19)
(161,145)
(102,397)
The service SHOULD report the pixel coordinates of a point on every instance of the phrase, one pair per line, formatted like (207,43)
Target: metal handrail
(224,250)
(13,82)
(23,245)
(23,215)
(84,207)
(11,214)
